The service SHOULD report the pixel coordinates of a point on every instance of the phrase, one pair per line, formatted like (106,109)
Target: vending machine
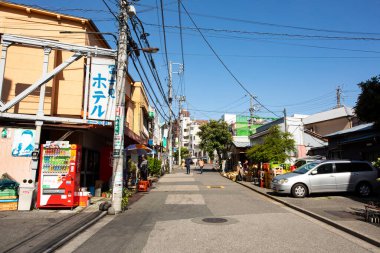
(59,175)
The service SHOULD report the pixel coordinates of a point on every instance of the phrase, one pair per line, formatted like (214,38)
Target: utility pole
(119,124)
(170,134)
(180,100)
(251,114)
(285,121)
(338,94)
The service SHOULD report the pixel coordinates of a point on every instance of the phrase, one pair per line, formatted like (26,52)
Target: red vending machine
(59,175)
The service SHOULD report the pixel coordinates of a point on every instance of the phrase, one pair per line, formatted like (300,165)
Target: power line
(180,30)
(182,84)
(270,33)
(225,66)
(150,62)
(110,10)
(274,25)
(150,96)
(163,30)
(287,43)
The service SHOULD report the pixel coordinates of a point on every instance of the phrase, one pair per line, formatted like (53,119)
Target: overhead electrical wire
(225,66)
(287,43)
(150,62)
(182,80)
(163,114)
(110,10)
(164,33)
(268,33)
(270,24)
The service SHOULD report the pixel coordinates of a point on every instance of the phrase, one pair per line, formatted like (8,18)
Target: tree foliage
(184,153)
(368,104)
(276,147)
(154,166)
(215,135)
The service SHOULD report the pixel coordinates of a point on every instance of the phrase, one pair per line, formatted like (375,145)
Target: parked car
(328,176)
(301,161)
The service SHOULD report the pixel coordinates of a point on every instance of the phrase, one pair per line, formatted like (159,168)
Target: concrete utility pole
(180,100)
(119,124)
(170,134)
(285,121)
(338,94)
(251,113)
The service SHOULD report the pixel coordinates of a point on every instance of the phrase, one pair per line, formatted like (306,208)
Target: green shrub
(125,198)
(154,166)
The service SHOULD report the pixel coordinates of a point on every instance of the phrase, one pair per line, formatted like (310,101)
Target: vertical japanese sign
(102,98)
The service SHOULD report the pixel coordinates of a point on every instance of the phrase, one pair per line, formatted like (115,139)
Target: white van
(328,176)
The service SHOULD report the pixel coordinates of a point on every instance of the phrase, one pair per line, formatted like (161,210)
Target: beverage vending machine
(59,175)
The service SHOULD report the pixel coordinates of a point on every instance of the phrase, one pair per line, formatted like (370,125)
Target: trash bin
(25,195)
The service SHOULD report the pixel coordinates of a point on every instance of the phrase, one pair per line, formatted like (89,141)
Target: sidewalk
(24,231)
(343,212)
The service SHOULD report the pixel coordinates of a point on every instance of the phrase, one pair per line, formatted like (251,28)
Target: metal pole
(87,81)
(180,100)
(285,121)
(179,134)
(170,134)
(40,113)
(119,124)
(4,49)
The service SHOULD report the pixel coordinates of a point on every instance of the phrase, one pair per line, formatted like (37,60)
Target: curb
(318,217)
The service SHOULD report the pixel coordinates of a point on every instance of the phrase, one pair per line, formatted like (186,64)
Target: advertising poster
(23,142)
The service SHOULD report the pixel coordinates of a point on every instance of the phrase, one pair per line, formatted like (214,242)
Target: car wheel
(299,191)
(363,189)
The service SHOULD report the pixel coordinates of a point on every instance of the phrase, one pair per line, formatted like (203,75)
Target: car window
(299,163)
(356,167)
(305,168)
(342,167)
(325,168)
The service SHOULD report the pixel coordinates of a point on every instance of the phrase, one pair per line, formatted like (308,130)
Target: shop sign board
(102,96)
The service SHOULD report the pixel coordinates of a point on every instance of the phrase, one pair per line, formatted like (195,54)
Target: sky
(289,54)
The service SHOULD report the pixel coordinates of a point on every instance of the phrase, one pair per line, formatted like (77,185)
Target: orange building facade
(65,109)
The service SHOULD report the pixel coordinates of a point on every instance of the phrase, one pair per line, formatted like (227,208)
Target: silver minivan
(328,176)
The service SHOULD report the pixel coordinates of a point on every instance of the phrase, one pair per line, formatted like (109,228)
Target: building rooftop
(340,112)
(358,128)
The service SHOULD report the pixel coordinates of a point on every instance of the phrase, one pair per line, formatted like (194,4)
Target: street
(208,213)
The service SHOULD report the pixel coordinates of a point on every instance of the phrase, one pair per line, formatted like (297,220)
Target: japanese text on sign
(102,98)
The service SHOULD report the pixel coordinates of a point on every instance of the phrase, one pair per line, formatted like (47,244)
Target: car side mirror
(314,172)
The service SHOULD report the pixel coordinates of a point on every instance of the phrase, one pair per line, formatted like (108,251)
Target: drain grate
(214,220)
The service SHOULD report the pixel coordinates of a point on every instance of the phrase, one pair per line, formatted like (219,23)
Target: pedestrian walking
(201,163)
(188,162)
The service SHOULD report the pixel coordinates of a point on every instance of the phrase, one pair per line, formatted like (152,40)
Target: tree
(368,104)
(276,147)
(215,136)
(184,153)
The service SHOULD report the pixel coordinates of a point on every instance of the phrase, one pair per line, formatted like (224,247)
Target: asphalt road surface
(208,213)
